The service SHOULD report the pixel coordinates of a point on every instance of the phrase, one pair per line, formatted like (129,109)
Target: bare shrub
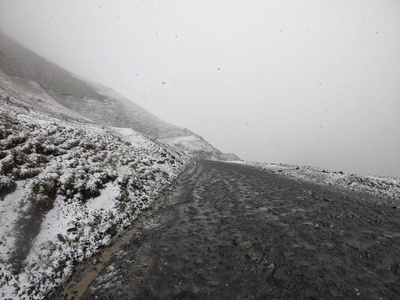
(29,173)
(18,157)
(7,166)
(15,140)
(4,133)
(7,185)
(3,154)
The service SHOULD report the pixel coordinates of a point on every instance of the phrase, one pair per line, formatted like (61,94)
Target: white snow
(106,200)
(10,209)
(380,186)
(55,222)
(189,143)
(86,184)
(136,139)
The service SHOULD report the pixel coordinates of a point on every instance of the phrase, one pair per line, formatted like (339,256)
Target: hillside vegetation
(66,189)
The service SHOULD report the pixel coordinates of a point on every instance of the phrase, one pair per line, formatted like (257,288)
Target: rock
(61,238)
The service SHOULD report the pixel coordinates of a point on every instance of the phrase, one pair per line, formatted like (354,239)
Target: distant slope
(94,101)
(381,186)
(194,144)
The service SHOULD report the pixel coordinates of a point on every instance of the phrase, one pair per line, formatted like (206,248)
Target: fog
(300,82)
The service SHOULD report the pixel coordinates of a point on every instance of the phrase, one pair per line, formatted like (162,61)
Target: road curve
(230,231)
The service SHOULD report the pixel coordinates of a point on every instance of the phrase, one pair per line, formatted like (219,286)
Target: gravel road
(230,231)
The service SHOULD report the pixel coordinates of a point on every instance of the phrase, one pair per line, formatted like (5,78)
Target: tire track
(230,231)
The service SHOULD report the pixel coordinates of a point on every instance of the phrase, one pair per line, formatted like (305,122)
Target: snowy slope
(189,143)
(78,163)
(29,77)
(81,96)
(383,187)
(67,187)
(30,93)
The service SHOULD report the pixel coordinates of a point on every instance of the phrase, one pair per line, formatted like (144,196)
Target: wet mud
(230,231)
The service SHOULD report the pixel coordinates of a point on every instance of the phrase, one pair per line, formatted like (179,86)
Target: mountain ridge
(88,99)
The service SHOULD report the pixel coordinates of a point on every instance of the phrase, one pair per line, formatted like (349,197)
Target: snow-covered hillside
(78,164)
(194,145)
(51,83)
(66,189)
(383,187)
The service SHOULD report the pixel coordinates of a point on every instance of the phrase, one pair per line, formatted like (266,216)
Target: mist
(307,83)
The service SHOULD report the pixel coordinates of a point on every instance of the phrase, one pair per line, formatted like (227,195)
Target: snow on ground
(66,189)
(189,143)
(9,213)
(31,93)
(193,145)
(106,200)
(384,187)
(136,139)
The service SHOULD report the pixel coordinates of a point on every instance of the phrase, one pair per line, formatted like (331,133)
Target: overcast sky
(300,82)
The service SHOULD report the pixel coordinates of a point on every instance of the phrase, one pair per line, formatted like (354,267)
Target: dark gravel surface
(230,231)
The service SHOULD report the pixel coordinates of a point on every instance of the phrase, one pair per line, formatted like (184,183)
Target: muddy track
(86,272)
(230,231)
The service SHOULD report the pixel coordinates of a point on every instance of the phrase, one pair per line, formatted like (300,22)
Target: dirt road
(230,231)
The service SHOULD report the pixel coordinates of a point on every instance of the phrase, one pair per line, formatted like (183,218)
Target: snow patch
(11,209)
(189,143)
(380,186)
(106,200)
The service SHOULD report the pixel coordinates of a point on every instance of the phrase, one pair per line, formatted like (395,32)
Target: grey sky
(301,82)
